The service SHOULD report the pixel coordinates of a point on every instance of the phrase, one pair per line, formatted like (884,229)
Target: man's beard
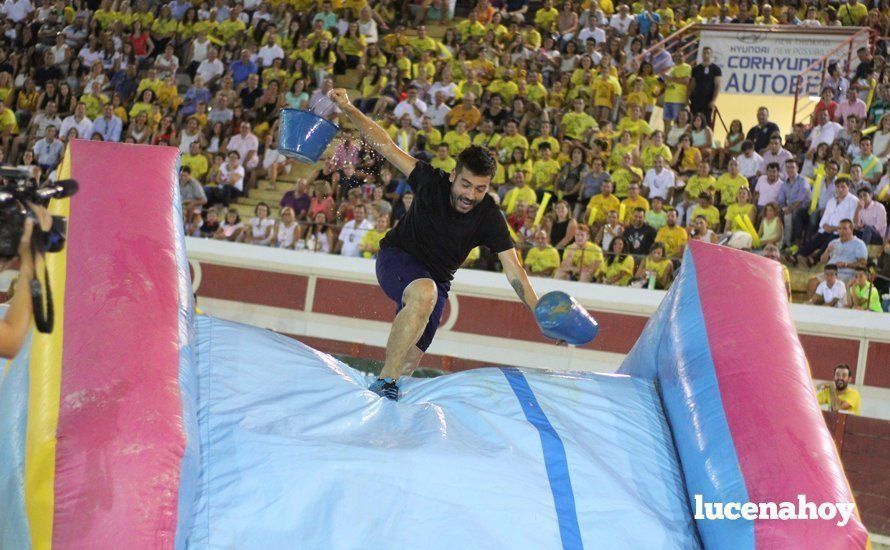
(840,385)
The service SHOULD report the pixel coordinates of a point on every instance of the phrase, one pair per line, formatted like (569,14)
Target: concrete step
(246,210)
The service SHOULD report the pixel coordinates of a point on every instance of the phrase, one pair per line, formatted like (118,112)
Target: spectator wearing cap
(838,395)
(870,219)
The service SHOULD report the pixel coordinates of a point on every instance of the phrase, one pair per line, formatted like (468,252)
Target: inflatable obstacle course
(136,421)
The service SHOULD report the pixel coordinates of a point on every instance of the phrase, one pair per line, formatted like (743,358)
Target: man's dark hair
(544,145)
(477,160)
(830,267)
(845,220)
(185,169)
(747,144)
(772,165)
(844,366)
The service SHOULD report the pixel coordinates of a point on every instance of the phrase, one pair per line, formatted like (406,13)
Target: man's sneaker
(386,387)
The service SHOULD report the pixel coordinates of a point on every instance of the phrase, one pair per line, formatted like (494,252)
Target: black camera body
(17,189)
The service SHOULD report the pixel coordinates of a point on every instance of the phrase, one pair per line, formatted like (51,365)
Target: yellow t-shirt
(711,214)
(456,142)
(622,178)
(625,267)
(507,90)
(651,151)
(508,143)
(584,258)
(513,196)
(850,395)
(372,238)
(729,187)
(672,239)
(636,128)
(447,164)
(603,205)
(545,19)
(197,164)
(539,259)
(543,172)
(8,120)
(631,204)
(229,29)
(352,46)
(483,140)
(575,125)
(736,209)
(697,184)
(676,92)
(433,137)
(605,91)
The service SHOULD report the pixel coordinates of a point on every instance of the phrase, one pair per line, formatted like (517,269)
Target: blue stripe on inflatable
(14,384)
(674,348)
(554,459)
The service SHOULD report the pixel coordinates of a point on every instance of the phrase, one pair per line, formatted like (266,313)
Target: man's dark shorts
(396,269)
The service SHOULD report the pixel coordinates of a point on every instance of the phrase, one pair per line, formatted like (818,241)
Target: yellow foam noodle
(817,189)
(44,394)
(749,227)
(622,211)
(594,212)
(511,200)
(543,208)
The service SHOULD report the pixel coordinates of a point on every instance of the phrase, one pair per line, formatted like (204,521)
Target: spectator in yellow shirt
(511,140)
(543,259)
(618,267)
(442,161)
(458,139)
(656,148)
(838,394)
(196,161)
(852,13)
(466,112)
(730,183)
(581,259)
(577,124)
(545,17)
(544,170)
(545,137)
(676,92)
(600,205)
(370,243)
(521,193)
(706,208)
(606,91)
(633,201)
(742,207)
(634,125)
(673,237)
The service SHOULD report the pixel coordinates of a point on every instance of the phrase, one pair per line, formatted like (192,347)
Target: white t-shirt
(837,291)
(210,69)
(286,235)
(225,171)
(403,108)
(244,145)
(598,34)
(748,166)
(351,236)
(767,192)
(622,25)
(258,229)
(268,54)
(659,183)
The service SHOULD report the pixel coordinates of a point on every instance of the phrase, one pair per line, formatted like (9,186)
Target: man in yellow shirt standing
(442,160)
(852,13)
(634,125)
(676,92)
(673,237)
(581,259)
(544,170)
(839,395)
(543,259)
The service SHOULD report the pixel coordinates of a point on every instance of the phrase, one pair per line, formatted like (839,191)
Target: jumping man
(451,214)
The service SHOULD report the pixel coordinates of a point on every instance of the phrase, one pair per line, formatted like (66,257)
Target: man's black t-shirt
(640,238)
(439,236)
(705,77)
(760,135)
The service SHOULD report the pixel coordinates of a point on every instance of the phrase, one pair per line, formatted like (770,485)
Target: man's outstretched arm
(374,134)
(518,278)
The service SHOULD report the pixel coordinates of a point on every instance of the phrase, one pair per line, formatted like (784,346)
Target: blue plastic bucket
(304,135)
(561,317)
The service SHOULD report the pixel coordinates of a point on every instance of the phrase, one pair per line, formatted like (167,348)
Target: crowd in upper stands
(564,94)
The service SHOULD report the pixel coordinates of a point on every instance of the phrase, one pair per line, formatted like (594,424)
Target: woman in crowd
(231,228)
(733,145)
(771,226)
(319,235)
(296,97)
(260,227)
(568,181)
(562,232)
(702,137)
(618,266)
(139,130)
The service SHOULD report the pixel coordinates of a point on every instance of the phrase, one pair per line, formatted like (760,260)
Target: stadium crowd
(562,93)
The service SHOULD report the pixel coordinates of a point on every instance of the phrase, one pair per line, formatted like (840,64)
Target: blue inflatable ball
(561,317)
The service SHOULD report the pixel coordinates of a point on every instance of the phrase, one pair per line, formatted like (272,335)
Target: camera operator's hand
(42,215)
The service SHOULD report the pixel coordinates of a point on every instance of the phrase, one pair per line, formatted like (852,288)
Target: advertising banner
(770,61)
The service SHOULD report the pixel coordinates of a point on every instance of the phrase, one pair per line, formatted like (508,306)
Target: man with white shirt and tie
(841,207)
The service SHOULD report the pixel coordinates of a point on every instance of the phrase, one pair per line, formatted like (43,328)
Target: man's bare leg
(412,361)
(418,302)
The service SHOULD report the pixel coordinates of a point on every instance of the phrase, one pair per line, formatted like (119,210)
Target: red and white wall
(333,303)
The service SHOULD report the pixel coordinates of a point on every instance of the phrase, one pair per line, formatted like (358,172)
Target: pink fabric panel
(783,445)
(120,423)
